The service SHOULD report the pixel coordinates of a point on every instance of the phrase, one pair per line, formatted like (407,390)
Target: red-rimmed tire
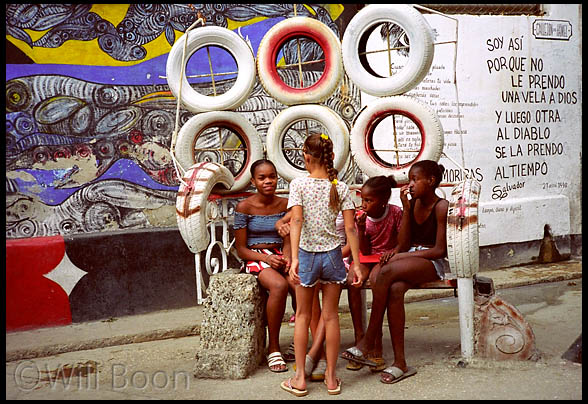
(420,57)
(269,48)
(371,116)
(234,121)
(463,249)
(191,202)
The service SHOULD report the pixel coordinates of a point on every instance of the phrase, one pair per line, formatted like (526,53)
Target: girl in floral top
(314,201)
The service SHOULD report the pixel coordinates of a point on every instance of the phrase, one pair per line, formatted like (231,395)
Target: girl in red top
(378,224)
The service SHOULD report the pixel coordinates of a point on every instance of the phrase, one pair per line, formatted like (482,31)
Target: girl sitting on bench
(419,258)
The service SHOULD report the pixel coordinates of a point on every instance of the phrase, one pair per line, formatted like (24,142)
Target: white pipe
(465,296)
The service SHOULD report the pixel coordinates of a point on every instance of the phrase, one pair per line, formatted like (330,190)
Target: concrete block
(232,333)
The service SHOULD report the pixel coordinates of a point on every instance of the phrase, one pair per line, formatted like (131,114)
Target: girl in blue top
(264,252)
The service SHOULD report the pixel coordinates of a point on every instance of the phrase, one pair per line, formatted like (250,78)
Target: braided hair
(320,147)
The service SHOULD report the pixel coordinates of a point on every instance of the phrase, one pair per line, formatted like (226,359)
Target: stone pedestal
(501,332)
(232,334)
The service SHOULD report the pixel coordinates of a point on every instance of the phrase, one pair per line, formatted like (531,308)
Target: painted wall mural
(89,114)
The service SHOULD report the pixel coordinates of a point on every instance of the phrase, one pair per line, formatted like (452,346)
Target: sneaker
(292,320)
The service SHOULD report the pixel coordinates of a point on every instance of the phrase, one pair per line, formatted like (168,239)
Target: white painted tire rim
(432,139)
(420,56)
(191,202)
(236,122)
(333,123)
(227,40)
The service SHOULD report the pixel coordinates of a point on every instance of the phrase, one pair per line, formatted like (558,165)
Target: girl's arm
(295,230)
(364,241)
(404,234)
(346,250)
(283,224)
(353,242)
(246,254)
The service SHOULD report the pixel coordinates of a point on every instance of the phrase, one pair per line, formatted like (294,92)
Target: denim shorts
(326,267)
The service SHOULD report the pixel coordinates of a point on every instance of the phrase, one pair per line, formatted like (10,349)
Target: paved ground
(151,355)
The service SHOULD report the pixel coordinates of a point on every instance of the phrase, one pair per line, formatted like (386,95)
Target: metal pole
(465,296)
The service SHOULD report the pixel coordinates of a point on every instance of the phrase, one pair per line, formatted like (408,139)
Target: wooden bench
(468,286)
(450,283)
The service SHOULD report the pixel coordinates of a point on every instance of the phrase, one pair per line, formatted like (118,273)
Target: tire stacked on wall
(390,89)
(303,102)
(201,177)
(462,218)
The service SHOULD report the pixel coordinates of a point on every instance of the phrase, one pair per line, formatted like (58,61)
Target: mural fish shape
(142,24)
(105,205)
(133,122)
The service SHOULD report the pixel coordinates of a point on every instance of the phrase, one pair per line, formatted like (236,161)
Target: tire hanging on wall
(333,123)
(198,124)
(267,54)
(421,53)
(463,251)
(372,114)
(191,202)
(211,36)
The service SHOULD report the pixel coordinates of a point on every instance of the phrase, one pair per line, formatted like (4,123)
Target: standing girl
(420,258)
(315,200)
(264,252)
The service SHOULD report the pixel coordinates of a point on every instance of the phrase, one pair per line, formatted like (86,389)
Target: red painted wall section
(33,301)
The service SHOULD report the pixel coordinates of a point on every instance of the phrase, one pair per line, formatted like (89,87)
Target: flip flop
(336,390)
(275,359)
(289,354)
(318,373)
(397,373)
(351,365)
(354,354)
(287,385)
(381,364)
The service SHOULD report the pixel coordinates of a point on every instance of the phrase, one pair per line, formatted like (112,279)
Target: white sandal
(275,359)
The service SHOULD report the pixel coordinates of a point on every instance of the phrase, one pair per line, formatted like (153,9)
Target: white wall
(520,118)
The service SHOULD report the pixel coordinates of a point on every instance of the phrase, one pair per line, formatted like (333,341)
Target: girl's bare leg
(354,299)
(304,297)
(277,286)
(411,270)
(396,321)
(331,294)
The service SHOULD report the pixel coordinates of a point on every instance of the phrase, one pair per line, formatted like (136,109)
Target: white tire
(191,202)
(333,123)
(463,250)
(268,50)
(236,122)
(420,56)
(227,40)
(427,121)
